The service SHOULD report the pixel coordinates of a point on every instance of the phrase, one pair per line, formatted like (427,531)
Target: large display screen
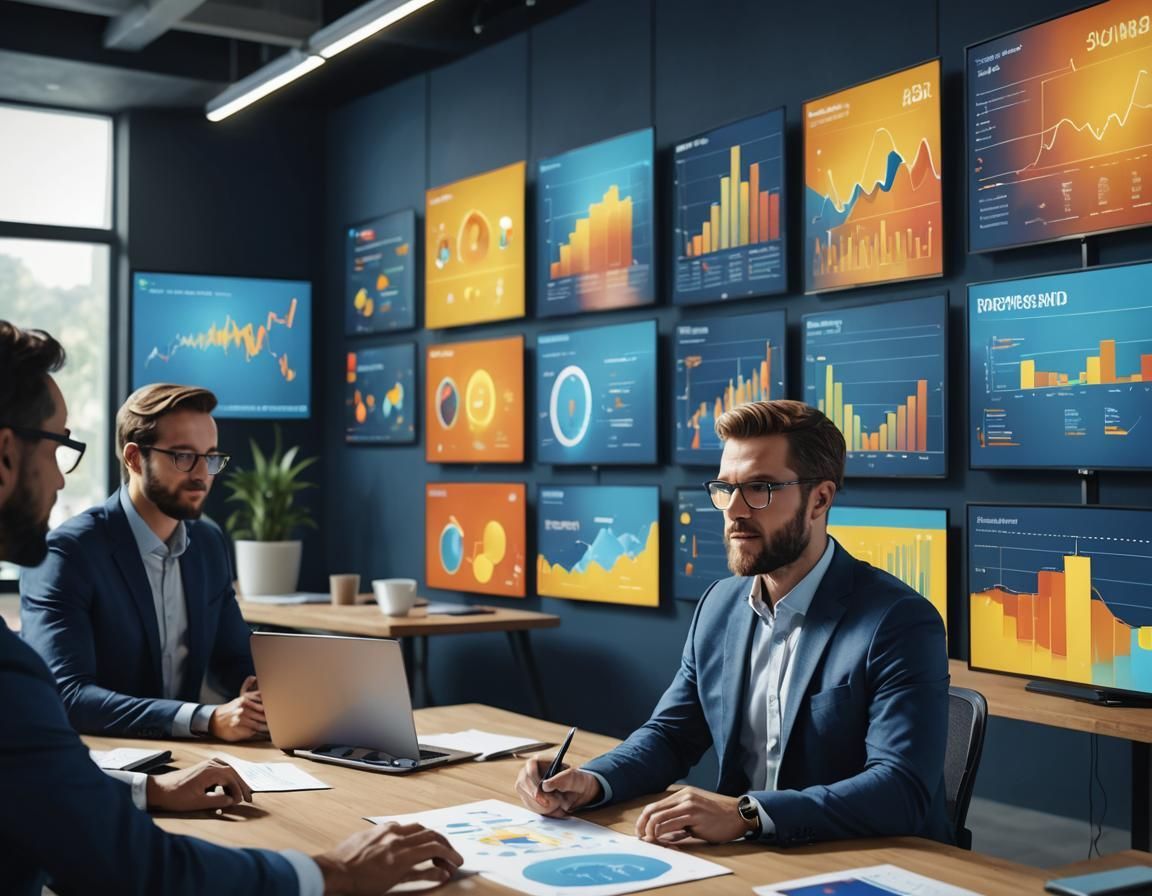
(600,543)
(1060,370)
(249,341)
(1063,593)
(872,197)
(729,208)
(1059,123)
(878,371)
(380,395)
(912,545)
(475,537)
(595,227)
(596,395)
(722,362)
(698,554)
(474,249)
(474,404)
(380,274)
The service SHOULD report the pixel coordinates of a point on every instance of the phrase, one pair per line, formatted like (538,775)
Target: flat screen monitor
(474,249)
(380,395)
(594,220)
(878,371)
(1058,128)
(722,362)
(599,543)
(474,537)
(380,277)
(474,407)
(1062,593)
(872,199)
(1060,370)
(596,395)
(729,207)
(910,544)
(698,554)
(247,340)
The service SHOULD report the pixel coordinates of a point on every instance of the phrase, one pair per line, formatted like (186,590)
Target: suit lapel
(737,647)
(126,555)
(192,575)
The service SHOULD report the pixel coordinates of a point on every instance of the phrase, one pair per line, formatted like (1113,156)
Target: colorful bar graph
(740,390)
(1098,369)
(599,242)
(742,215)
(911,419)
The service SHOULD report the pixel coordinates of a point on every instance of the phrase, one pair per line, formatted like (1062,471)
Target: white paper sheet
(123,758)
(273,777)
(299,597)
(484,743)
(875,880)
(516,847)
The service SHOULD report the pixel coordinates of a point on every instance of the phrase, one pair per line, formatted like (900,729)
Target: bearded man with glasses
(133,608)
(821,682)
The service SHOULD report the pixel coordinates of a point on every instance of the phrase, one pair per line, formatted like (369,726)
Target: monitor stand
(1087,693)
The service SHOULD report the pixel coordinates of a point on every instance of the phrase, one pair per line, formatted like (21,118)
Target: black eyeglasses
(185,461)
(757,493)
(68,451)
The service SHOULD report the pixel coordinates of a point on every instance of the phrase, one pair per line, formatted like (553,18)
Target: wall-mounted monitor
(248,340)
(698,554)
(729,208)
(879,373)
(475,537)
(910,544)
(594,221)
(380,395)
(380,274)
(596,395)
(599,543)
(1062,593)
(872,199)
(474,407)
(722,362)
(1060,370)
(1058,128)
(474,249)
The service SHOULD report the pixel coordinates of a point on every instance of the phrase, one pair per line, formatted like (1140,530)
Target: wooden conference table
(313,821)
(413,631)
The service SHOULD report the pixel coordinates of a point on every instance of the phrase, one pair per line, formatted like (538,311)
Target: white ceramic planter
(268,567)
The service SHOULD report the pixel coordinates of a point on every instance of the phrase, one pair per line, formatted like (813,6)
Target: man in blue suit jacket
(62,820)
(133,609)
(821,682)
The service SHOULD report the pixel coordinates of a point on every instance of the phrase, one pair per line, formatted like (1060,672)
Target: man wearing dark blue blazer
(133,609)
(821,682)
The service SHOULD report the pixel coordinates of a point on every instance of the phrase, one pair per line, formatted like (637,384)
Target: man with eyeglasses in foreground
(133,609)
(821,682)
(64,820)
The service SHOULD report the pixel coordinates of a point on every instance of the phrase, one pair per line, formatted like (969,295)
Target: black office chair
(967,718)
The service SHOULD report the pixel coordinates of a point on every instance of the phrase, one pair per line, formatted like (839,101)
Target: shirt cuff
(137,782)
(182,721)
(604,785)
(202,719)
(307,872)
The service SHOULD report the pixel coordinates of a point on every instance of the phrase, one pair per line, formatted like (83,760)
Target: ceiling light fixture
(360,24)
(280,71)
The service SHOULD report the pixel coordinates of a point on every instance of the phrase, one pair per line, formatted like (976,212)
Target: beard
(170,501)
(782,549)
(23,535)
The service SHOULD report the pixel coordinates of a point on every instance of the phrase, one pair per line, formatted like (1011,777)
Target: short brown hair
(816,448)
(140,415)
(27,357)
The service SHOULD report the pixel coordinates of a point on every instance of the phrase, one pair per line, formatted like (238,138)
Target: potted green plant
(266,518)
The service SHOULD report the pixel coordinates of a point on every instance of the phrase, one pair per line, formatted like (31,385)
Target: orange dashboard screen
(474,537)
(474,249)
(475,401)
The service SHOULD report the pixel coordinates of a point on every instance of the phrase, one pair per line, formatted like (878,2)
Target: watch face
(747,808)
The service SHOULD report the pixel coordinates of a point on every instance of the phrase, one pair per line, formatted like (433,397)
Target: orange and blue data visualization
(475,537)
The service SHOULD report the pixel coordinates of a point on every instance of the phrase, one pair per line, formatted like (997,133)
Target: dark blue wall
(608,67)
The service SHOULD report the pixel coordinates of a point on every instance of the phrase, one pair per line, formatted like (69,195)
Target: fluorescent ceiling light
(361,24)
(283,70)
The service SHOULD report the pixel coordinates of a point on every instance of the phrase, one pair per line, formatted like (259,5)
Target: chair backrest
(967,716)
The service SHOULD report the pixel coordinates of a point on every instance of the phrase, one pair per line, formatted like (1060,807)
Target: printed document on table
(273,777)
(875,880)
(483,743)
(541,856)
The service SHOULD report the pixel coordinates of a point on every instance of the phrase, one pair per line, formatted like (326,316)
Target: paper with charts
(876,880)
(516,847)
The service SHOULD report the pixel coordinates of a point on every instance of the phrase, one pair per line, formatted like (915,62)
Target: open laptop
(341,700)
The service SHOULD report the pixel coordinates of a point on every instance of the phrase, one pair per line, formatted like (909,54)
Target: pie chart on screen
(447,402)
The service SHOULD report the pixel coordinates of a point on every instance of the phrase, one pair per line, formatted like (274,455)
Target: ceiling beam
(145,22)
(263,26)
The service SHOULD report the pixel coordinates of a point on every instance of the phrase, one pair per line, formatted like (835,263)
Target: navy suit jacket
(864,728)
(88,611)
(63,817)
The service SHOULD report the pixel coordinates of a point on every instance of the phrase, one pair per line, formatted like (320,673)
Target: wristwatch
(750,812)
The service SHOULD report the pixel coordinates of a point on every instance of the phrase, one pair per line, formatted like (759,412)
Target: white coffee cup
(395,596)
